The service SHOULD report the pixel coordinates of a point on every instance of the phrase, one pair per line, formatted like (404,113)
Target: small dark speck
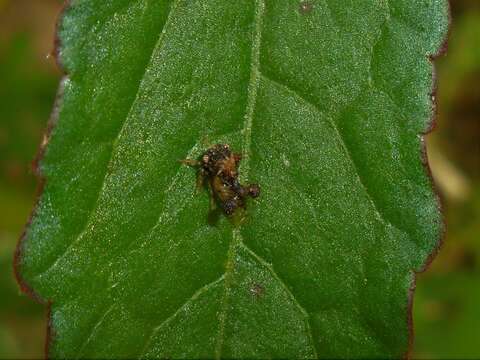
(257,290)
(305,7)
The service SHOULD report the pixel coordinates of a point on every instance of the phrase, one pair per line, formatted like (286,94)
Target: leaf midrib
(237,241)
(246,151)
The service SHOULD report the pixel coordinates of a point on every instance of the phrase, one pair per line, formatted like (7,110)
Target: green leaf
(327,101)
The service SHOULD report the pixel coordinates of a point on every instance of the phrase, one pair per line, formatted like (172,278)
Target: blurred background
(447,302)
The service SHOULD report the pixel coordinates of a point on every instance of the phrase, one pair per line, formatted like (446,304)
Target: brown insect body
(219,166)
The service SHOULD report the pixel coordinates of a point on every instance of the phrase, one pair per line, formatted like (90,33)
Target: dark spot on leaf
(257,290)
(305,7)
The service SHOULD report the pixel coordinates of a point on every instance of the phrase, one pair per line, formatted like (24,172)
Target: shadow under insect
(218,172)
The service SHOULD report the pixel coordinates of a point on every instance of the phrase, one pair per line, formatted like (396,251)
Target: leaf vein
(89,217)
(179,206)
(304,312)
(247,132)
(344,146)
(97,325)
(195,295)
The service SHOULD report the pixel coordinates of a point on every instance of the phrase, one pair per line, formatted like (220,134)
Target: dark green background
(446,311)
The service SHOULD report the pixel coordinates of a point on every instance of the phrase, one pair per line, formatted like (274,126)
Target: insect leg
(237,157)
(201,176)
(213,203)
(253,190)
(190,162)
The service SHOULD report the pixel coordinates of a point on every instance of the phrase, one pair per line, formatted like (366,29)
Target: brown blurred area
(447,300)
(28,82)
(446,306)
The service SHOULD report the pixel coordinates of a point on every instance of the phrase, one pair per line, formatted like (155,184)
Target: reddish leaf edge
(27,290)
(35,167)
(439,199)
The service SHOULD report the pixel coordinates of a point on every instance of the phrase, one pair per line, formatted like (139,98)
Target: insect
(218,168)
(257,290)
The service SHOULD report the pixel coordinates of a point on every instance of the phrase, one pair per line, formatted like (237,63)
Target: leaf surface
(326,100)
